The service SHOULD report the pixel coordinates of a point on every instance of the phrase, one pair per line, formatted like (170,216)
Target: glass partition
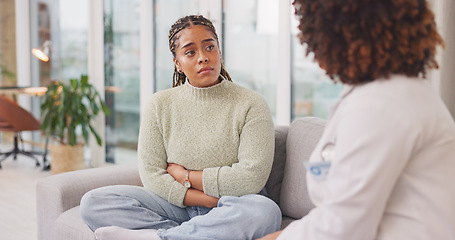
(73,38)
(122,60)
(312,91)
(251,45)
(53,25)
(166,13)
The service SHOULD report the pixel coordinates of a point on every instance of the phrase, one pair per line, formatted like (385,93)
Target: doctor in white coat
(385,165)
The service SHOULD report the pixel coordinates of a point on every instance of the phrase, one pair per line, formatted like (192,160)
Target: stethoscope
(328,150)
(320,169)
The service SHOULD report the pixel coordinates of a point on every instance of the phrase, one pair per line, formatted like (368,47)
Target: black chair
(14,118)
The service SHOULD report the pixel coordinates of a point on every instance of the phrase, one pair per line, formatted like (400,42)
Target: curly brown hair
(357,41)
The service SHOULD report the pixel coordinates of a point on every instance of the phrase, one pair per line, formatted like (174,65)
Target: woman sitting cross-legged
(205,153)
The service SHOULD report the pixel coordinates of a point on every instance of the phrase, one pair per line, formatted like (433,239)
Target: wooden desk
(34,91)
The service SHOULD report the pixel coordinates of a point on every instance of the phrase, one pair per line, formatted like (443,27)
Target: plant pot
(66,158)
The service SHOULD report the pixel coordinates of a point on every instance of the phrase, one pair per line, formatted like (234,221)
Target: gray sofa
(58,196)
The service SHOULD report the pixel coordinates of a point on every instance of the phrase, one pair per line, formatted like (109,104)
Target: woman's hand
(271,236)
(195,197)
(177,172)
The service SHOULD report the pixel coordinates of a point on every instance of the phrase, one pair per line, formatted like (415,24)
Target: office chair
(14,118)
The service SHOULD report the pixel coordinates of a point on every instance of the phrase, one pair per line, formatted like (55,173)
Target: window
(166,13)
(121,68)
(73,38)
(312,91)
(251,45)
(250,41)
(54,21)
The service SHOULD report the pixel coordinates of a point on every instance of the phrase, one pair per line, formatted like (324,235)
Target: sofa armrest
(58,193)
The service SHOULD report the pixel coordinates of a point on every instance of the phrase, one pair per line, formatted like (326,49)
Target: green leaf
(45,122)
(72,134)
(105,108)
(73,83)
(98,139)
(85,133)
(84,80)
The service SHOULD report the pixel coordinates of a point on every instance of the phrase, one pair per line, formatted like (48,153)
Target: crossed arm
(195,196)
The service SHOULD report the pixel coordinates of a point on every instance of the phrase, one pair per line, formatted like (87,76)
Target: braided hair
(179,78)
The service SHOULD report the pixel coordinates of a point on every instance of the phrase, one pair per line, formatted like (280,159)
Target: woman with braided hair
(205,153)
(386,159)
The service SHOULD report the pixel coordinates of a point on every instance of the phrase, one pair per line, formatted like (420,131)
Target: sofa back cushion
(273,185)
(303,135)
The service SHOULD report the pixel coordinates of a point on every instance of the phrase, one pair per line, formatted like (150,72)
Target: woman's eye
(189,53)
(211,47)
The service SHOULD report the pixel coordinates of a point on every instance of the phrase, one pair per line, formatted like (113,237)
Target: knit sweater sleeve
(153,160)
(255,156)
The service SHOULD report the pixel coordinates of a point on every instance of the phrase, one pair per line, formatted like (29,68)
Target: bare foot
(118,233)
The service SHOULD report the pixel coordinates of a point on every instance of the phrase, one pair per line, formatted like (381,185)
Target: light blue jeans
(246,217)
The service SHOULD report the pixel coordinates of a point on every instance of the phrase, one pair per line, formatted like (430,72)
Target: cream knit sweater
(225,130)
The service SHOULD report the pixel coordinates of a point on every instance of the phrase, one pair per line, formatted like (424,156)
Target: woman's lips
(205,70)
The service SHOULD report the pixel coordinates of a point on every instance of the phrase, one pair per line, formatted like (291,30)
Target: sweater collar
(207,92)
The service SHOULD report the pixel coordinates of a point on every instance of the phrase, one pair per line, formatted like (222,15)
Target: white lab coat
(393,169)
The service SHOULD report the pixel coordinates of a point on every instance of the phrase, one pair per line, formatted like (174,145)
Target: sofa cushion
(69,225)
(273,185)
(302,138)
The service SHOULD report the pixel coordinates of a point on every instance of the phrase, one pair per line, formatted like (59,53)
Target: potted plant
(67,111)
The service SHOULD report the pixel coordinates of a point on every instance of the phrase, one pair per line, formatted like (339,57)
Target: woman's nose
(203,58)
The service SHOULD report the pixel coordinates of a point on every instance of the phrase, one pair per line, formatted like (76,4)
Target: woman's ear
(177,65)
